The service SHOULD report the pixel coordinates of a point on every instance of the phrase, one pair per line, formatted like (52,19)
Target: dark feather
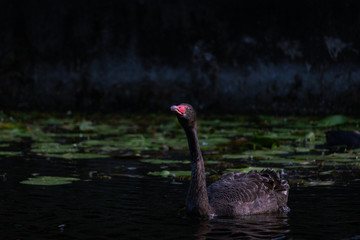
(251,193)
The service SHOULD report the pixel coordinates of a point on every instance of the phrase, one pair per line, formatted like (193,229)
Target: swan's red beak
(180,109)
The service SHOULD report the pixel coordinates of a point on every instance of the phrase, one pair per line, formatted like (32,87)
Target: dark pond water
(134,207)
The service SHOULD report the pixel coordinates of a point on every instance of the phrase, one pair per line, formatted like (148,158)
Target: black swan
(235,194)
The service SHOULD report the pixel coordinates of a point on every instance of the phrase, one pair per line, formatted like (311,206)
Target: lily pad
(301,166)
(326,172)
(331,121)
(52,147)
(236,156)
(49,181)
(77,155)
(86,126)
(319,183)
(277,160)
(310,136)
(166,173)
(212,141)
(163,173)
(9,153)
(265,141)
(161,161)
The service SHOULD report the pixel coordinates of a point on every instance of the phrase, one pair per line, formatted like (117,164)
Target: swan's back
(248,193)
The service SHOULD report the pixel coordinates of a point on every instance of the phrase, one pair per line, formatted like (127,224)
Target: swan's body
(252,193)
(234,194)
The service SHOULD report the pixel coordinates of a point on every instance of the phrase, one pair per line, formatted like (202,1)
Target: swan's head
(185,114)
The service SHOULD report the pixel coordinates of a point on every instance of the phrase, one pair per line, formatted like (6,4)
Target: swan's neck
(197,198)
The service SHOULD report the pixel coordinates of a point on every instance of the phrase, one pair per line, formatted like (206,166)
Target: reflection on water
(149,208)
(267,226)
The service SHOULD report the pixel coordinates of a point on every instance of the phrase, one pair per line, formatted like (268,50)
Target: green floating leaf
(163,173)
(319,183)
(212,162)
(301,149)
(181,173)
(332,121)
(86,126)
(235,156)
(52,147)
(326,172)
(212,141)
(310,136)
(307,157)
(110,129)
(265,141)
(166,173)
(77,155)
(161,161)
(49,181)
(277,160)
(301,166)
(9,153)
(12,134)
(264,153)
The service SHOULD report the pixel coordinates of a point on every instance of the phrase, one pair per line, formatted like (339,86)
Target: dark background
(278,57)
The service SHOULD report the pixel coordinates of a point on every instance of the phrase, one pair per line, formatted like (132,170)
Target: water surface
(132,176)
(151,207)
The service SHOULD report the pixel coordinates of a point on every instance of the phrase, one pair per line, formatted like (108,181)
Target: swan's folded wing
(251,193)
(236,187)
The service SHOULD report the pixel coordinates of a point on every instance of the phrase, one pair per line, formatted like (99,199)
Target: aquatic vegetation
(52,147)
(331,121)
(155,146)
(166,173)
(78,155)
(9,153)
(49,181)
(163,161)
